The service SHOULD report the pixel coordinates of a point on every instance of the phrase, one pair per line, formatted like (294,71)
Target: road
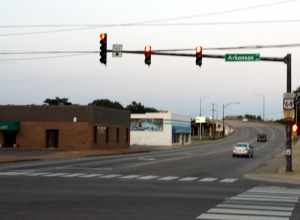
(199,182)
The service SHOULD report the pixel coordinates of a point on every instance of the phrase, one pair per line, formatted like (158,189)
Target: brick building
(63,127)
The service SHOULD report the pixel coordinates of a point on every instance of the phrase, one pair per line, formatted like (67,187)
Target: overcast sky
(170,83)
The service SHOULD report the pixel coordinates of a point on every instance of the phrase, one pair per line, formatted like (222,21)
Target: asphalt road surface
(199,182)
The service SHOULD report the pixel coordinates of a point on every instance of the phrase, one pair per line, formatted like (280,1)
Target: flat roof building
(63,127)
(161,128)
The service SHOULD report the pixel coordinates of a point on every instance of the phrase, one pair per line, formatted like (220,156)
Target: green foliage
(106,103)
(137,107)
(57,101)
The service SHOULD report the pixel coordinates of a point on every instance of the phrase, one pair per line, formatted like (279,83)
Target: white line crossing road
(168,178)
(208,179)
(36,173)
(188,179)
(258,203)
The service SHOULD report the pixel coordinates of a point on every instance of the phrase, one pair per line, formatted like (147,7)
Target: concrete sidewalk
(14,156)
(274,170)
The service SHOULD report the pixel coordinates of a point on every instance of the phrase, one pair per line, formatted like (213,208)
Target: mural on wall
(146,124)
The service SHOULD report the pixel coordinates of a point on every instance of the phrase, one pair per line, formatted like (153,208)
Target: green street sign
(242,57)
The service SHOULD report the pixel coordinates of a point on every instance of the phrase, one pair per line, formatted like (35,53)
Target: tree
(137,107)
(57,101)
(106,103)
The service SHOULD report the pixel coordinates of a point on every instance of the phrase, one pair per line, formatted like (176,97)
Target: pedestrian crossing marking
(35,173)
(168,178)
(188,179)
(276,203)
(208,179)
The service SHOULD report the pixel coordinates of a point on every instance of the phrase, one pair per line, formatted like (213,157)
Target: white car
(243,149)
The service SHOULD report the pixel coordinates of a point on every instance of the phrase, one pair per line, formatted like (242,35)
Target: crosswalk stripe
(9,173)
(256,207)
(262,199)
(208,179)
(74,175)
(110,176)
(37,174)
(130,176)
(91,175)
(188,179)
(268,196)
(168,178)
(228,180)
(147,177)
(54,174)
(239,217)
(250,212)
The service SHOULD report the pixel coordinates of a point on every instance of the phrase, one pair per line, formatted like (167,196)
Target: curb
(270,178)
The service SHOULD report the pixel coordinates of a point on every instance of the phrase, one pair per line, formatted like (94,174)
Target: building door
(52,138)
(9,138)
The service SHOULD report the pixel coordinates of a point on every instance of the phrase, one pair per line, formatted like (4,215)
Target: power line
(80,27)
(54,52)
(228,11)
(40,58)
(95,26)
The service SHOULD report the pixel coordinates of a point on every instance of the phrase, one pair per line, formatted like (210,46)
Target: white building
(160,129)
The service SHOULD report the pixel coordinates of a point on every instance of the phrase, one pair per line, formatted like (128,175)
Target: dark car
(261,138)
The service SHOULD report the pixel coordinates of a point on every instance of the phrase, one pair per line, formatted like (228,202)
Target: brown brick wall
(71,135)
(80,135)
(112,143)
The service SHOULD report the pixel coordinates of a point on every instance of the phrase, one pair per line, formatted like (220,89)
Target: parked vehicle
(243,149)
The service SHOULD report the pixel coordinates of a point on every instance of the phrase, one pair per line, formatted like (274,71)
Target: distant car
(243,149)
(261,138)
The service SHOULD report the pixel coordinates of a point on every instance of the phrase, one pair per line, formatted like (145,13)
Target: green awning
(9,125)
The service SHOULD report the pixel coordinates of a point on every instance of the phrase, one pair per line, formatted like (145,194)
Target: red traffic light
(199,50)
(102,36)
(147,49)
(295,128)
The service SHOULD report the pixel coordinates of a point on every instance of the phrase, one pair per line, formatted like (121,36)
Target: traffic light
(147,52)
(295,128)
(103,48)
(199,56)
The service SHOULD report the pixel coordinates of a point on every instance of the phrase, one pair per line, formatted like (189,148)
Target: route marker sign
(289,106)
(242,57)
(117,50)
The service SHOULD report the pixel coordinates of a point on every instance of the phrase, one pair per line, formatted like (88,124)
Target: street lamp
(225,106)
(263,106)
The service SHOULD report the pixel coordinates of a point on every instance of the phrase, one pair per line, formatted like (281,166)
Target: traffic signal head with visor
(199,55)
(147,53)
(103,48)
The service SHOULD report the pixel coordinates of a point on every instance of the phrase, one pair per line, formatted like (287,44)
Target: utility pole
(289,162)
(213,120)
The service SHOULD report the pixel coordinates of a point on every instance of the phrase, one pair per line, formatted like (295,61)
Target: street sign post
(288,106)
(242,57)
(117,50)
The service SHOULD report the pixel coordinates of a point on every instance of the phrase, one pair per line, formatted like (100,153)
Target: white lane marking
(188,179)
(247,198)
(208,179)
(269,196)
(239,217)
(229,180)
(146,158)
(148,177)
(130,176)
(251,212)
(110,176)
(91,175)
(275,190)
(55,174)
(10,173)
(256,207)
(168,178)
(37,174)
(74,175)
